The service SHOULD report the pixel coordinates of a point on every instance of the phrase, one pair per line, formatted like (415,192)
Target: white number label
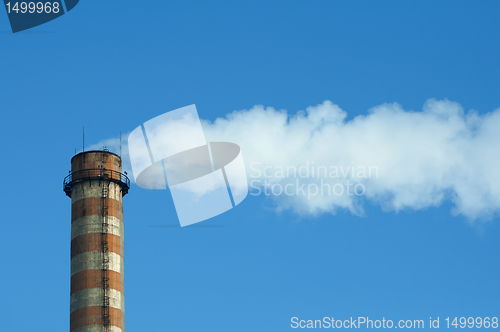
(31,7)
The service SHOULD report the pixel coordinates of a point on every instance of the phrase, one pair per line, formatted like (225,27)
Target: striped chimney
(96,186)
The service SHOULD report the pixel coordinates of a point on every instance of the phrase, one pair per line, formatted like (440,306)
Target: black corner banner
(70,4)
(25,15)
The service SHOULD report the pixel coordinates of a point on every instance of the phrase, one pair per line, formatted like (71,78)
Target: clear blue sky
(110,66)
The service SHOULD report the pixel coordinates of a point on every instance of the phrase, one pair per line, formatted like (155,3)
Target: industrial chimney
(96,186)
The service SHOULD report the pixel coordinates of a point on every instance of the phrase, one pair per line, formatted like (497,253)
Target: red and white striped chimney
(96,186)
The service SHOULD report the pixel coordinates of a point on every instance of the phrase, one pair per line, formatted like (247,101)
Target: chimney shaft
(96,186)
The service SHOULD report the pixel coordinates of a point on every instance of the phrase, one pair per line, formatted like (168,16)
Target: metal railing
(96,174)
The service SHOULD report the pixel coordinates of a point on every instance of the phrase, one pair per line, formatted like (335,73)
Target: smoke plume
(315,162)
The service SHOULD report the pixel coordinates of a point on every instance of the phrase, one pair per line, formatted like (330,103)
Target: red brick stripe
(92,206)
(93,242)
(93,279)
(93,316)
(93,160)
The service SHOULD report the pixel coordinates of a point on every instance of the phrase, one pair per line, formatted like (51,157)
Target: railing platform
(96,174)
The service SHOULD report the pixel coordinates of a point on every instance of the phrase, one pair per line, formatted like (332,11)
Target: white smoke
(417,159)
(398,159)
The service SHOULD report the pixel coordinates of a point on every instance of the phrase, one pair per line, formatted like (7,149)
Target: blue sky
(111,67)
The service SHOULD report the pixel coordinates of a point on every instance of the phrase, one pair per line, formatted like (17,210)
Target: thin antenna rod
(83,138)
(120,144)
